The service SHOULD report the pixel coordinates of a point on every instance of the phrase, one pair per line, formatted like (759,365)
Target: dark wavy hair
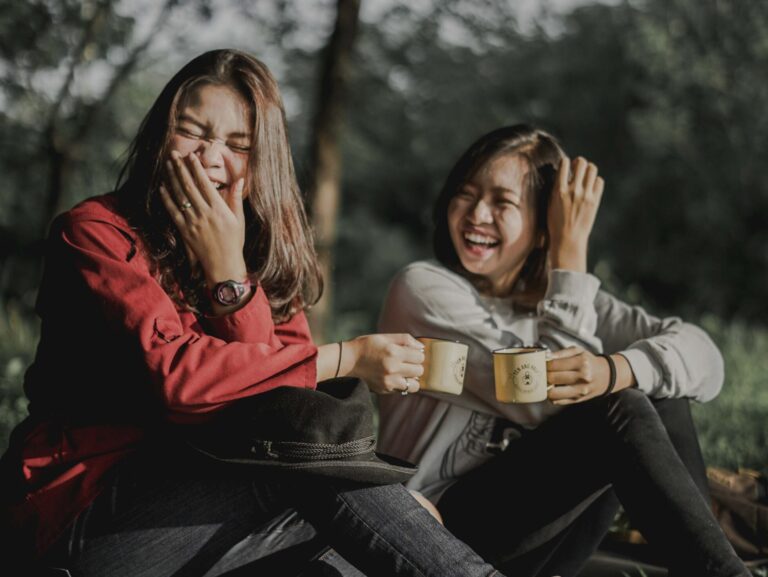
(542,153)
(279,250)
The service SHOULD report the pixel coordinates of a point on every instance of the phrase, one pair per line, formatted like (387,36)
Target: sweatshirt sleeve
(567,314)
(669,357)
(192,371)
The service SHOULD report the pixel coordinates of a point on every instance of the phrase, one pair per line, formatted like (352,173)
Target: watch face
(229,292)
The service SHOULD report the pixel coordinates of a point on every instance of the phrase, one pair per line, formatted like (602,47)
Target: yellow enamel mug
(520,374)
(445,363)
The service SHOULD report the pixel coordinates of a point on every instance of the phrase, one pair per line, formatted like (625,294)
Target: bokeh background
(668,97)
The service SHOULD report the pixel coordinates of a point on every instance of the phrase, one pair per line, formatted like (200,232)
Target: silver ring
(185,205)
(404,393)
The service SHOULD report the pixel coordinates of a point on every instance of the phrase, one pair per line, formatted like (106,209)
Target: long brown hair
(542,153)
(279,250)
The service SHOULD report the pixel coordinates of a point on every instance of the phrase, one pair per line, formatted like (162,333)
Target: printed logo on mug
(520,374)
(445,363)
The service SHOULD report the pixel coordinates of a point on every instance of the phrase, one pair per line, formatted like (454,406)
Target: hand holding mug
(388,363)
(576,375)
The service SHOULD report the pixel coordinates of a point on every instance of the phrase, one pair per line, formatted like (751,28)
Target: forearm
(328,359)
(337,360)
(625,378)
(569,257)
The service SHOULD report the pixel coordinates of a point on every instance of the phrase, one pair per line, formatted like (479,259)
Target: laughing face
(214,122)
(492,222)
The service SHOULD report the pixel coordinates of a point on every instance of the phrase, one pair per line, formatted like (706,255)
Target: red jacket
(116,356)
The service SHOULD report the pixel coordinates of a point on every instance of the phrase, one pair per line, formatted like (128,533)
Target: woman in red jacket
(167,300)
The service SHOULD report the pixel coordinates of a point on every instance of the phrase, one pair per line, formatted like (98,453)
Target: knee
(631,400)
(427,504)
(628,405)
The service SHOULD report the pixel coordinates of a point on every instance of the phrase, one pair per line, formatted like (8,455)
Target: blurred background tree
(324,186)
(666,96)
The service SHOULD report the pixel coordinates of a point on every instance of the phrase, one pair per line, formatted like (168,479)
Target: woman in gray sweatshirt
(512,225)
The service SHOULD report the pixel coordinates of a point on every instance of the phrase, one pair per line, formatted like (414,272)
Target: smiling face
(492,222)
(214,122)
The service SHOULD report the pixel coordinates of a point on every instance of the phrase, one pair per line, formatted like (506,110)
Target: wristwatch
(230,292)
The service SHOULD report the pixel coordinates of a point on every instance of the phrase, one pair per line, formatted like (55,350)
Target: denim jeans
(579,459)
(164,518)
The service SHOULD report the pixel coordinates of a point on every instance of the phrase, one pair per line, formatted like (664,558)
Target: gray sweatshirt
(446,434)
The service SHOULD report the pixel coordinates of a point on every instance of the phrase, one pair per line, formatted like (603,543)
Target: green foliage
(18,339)
(56,60)
(733,428)
(700,139)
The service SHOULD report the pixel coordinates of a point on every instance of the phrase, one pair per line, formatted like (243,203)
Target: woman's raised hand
(212,224)
(388,363)
(572,210)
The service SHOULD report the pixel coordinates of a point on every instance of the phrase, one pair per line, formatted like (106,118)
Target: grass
(733,428)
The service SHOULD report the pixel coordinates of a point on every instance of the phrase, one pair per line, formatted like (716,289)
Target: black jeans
(170,518)
(574,460)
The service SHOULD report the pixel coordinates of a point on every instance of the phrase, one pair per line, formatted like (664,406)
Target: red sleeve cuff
(248,324)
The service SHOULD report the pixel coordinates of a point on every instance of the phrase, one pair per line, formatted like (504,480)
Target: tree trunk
(325,179)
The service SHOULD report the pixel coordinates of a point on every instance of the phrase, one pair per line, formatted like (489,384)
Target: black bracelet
(612,377)
(338,365)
